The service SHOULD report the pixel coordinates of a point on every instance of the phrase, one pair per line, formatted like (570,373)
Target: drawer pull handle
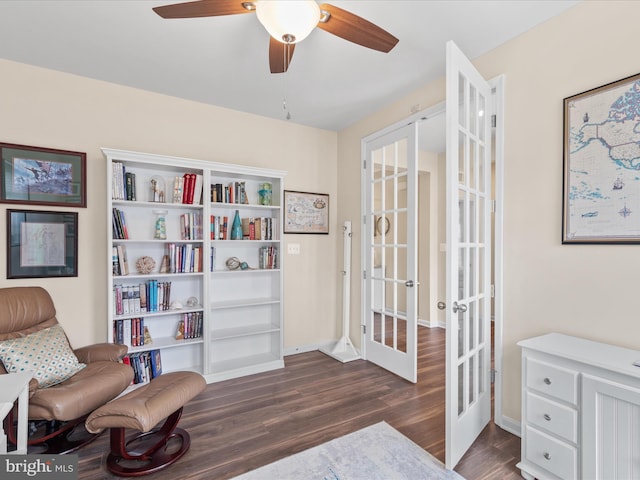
(547,381)
(547,455)
(547,417)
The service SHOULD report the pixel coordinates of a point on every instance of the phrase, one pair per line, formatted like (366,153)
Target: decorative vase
(236,228)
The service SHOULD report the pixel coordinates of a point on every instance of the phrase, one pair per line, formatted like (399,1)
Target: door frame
(498,85)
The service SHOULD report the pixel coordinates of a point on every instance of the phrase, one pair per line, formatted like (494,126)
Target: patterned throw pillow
(47,353)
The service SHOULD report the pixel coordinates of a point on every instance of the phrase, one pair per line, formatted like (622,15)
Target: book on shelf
(115,262)
(190,326)
(268,257)
(191,226)
(123,264)
(146,365)
(123,183)
(187,189)
(127,299)
(130,332)
(130,186)
(184,258)
(178,187)
(156,363)
(119,225)
(234,192)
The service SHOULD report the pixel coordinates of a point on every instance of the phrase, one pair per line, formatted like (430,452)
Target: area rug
(377,452)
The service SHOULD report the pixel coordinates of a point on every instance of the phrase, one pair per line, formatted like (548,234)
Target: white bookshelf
(242,309)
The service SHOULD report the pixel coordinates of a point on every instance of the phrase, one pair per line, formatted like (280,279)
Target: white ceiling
(223,61)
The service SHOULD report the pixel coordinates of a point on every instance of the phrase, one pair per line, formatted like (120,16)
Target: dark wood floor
(241,424)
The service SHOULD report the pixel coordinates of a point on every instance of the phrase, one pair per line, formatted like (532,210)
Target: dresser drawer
(550,454)
(557,382)
(552,417)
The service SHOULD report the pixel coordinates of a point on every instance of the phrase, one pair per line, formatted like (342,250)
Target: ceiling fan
(289,22)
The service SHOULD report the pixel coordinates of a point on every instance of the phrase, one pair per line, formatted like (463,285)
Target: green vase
(236,228)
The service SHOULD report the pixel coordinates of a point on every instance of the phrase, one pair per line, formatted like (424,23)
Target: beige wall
(584,290)
(51,109)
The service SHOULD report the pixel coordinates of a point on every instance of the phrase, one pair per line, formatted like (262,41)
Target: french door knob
(408,283)
(459,307)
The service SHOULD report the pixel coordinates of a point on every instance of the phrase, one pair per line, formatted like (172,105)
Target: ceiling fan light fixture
(288,21)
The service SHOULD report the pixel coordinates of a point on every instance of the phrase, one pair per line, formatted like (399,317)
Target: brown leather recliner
(56,411)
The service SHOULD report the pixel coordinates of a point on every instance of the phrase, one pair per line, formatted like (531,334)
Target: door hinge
(364,329)
(364,219)
(493,206)
(494,121)
(493,376)
(364,164)
(364,274)
(493,291)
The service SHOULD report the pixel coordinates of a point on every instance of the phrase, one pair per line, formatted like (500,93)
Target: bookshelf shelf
(133,241)
(227,333)
(149,276)
(240,331)
(156,205)
(249,302)
(157,314)
(166,342)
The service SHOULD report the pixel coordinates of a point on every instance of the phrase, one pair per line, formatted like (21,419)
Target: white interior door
(389,250)
(468,397)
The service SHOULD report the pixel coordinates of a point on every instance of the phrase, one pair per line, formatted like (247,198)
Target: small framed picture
(42,244)
(42,176)
(306,212)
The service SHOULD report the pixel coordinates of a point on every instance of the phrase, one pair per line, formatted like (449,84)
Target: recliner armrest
(101,351)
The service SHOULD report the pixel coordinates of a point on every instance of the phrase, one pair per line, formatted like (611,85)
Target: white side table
(15,386)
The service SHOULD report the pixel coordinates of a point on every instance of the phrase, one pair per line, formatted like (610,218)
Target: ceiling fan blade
(280,55)
(356,29)
(203,8)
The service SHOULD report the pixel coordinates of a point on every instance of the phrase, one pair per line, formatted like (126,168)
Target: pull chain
(286,68)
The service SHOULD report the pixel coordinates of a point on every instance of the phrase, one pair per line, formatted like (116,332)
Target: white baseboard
(306,348)
(431,324)
(510,425)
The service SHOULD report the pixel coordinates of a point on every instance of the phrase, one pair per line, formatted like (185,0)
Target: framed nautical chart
(601,193)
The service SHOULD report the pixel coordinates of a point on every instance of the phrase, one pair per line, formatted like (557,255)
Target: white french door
(468,397)
(389,241)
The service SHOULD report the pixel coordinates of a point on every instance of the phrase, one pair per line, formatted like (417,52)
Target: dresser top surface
(609,357)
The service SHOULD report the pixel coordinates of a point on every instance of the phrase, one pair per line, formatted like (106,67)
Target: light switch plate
(293,249)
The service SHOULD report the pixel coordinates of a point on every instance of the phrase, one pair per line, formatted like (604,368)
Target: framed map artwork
(306,212)
(601,193)
(42,244)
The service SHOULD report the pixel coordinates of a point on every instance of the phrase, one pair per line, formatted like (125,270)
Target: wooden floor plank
(241,424)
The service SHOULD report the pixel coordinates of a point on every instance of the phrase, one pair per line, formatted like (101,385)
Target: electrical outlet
(293,249)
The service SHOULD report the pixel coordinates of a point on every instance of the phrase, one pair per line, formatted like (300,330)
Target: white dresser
(580,410)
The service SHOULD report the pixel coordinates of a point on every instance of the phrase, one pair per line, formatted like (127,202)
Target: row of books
(119,225)
(184,258)
(123,184)
(119,260)
(258,228)
(146,365)
(262,228)
(153,296)
(129,332)
(188,189)
(190,326)
(268,258)
(191,226)
(234,192)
